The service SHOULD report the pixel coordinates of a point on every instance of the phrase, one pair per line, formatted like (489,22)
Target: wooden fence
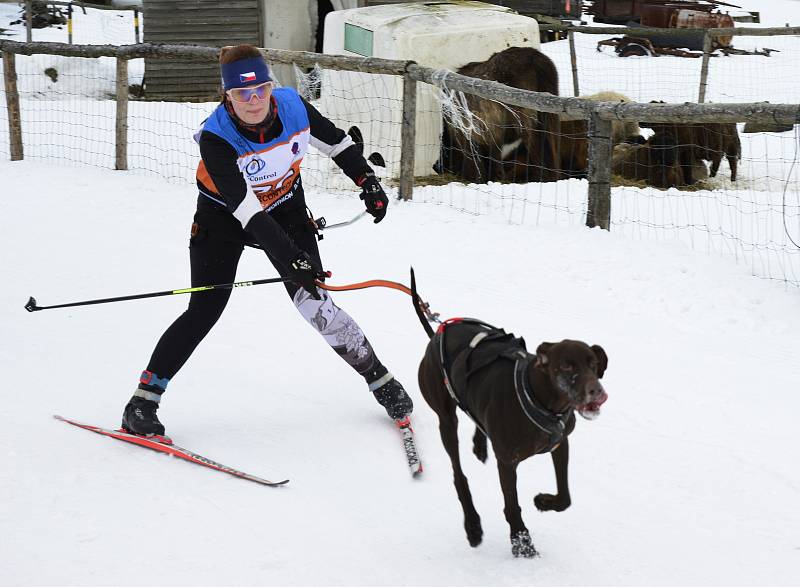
(599,114)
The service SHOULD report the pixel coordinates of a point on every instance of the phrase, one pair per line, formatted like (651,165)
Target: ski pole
(31,306)
(323,225)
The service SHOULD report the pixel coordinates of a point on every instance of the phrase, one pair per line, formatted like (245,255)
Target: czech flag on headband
(248,77)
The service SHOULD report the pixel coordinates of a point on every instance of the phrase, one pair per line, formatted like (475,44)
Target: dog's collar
(551,423)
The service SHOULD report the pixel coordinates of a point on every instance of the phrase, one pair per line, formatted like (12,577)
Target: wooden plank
(194,4)
(200,37)
(200,19)
(159,15)
(581,108)
(208,36)
(211,82)
(159,65)
(210,32)
(185,7)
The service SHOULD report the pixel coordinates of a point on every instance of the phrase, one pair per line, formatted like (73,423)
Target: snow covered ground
(688,477)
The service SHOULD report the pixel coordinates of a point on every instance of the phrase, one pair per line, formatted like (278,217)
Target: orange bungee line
(425,307)
(365,285)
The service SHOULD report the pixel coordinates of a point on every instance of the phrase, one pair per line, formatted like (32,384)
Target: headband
(244,72)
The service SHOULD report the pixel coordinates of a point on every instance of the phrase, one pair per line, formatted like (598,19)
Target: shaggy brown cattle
(621,131)
(655,162)
(511,143)
(574,148)
(708,141)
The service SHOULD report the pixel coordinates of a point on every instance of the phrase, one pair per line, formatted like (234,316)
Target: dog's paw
(474,532)
(545,502)
(522,545)
(479,448)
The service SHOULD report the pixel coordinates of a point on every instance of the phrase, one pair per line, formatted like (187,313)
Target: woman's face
(251,103)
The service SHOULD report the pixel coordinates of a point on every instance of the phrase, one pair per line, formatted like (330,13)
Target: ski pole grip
(31,305)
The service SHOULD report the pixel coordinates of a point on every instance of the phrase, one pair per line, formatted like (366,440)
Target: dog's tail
(418,306)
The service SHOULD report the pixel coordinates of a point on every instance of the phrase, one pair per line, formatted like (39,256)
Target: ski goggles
(244,95)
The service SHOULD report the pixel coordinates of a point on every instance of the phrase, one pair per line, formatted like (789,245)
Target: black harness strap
(496,344)
(551,423)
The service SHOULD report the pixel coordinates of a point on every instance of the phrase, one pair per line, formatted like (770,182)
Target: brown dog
(524,403)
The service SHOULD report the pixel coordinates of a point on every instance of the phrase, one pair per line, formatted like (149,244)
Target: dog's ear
(541,354)
(602,359)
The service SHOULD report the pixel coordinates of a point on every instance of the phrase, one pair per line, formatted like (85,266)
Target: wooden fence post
(121,126)
(707,49)
(598,211)
(574,60)
(408,137)
(28,20)
(12,103)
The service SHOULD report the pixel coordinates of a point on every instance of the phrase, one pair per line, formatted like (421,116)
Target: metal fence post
(69,23)
(408,137)
(121,127)
(707,49)
(573,57)
(12,103)
(598,211)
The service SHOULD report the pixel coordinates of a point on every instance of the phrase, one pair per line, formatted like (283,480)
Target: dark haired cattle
(702,141)
(512,143)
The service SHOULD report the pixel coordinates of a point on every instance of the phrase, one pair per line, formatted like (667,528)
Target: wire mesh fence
(661,184)
(752,69)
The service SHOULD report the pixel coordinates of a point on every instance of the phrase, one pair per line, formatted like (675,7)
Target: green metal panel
(357,40)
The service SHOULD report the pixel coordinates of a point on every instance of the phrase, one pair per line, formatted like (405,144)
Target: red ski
(164,445)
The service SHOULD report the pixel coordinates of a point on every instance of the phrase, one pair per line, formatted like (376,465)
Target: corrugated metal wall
(195,22)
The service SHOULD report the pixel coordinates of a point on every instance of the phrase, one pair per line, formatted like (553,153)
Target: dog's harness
(486,347)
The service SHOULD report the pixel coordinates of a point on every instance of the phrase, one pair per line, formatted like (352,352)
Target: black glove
(373,195)
(303,271)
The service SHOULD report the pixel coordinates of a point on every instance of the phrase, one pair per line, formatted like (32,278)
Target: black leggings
(214,257)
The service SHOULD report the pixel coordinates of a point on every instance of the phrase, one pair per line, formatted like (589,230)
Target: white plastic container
(442,35)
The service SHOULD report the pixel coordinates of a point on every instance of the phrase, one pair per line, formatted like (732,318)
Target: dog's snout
(594,389)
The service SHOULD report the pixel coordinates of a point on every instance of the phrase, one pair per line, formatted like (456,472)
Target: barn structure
(195,22)
(278,24)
